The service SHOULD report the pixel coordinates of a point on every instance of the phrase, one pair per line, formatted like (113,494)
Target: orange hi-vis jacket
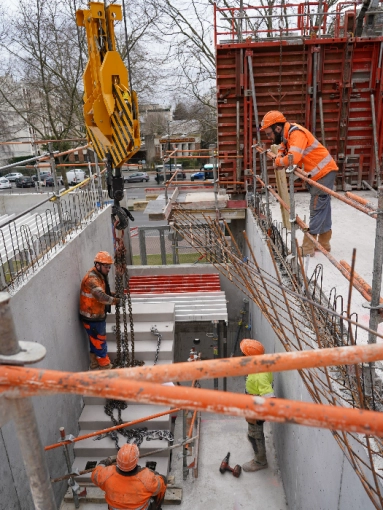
(129,490)
(306,150)
(93,297)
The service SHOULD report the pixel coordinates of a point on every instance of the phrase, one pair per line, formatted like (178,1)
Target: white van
(75,176)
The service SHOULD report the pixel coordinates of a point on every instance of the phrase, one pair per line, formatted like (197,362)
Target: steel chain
(137,436)
(155,331)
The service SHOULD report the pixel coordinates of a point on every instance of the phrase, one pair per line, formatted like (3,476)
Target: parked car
(49,181)
(4,183)
(13,176)
(25,182)
(136,177)
(197,175)
(43,175)
(75,176)
(205,172)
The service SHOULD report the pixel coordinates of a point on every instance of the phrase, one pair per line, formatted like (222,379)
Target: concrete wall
(316,474)
(45,310)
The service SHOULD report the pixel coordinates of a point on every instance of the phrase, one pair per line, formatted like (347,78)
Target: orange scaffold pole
(21,382)
(232,404)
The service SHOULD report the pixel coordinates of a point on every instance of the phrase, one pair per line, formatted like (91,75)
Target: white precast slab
(190,306)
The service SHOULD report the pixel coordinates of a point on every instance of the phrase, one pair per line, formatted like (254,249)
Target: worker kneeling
(128,486)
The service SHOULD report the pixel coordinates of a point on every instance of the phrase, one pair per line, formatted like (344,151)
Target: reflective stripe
(87,295)
(86,314)
(294,148)
(325,161)
(309,149)
(294,128)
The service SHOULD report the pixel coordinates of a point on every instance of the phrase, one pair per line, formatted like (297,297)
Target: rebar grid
(28,242)
(302,320)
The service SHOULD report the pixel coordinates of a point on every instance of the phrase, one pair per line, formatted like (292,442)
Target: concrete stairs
(93,417)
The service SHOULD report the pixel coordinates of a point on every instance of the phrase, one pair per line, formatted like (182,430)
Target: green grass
(155,260)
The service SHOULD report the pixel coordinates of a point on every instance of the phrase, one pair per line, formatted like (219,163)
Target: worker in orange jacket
(315,161)
(95,299)
(128,486)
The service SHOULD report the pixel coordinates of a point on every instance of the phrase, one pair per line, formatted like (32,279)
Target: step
(146,349)
(106,447)
(152,313)
(93,417)
(142,330)
(80,463)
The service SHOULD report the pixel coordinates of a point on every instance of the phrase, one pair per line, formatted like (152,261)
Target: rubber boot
(324,240)
(93,362)
(253,465)
(308,247)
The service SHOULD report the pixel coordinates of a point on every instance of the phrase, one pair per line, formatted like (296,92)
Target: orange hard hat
(251,347)
(271,118)
(103,257)
(127,457)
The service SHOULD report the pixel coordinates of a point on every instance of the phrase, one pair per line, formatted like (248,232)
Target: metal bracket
(69,437)
(368,305)
(30,352)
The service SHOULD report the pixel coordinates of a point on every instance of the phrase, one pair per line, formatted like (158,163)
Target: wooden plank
(283,192)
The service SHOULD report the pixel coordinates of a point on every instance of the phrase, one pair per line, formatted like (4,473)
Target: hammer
(236,470)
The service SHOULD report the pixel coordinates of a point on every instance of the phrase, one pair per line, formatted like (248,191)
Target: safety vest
(307,152)
(93,297)
(260,384)
(129,491)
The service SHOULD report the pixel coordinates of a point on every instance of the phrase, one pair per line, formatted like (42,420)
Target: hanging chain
(123,358)
(155,331)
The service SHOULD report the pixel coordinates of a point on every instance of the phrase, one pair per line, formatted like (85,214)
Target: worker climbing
(129,486)
(262,386)
(316,161)
(95,301)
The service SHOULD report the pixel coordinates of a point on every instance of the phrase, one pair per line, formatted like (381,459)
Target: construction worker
(95,301)
(129,486)
(315,161)
(262,386)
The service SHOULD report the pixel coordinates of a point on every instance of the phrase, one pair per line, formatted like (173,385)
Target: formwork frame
(320,75)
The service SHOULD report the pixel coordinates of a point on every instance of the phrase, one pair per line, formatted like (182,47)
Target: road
(132,191)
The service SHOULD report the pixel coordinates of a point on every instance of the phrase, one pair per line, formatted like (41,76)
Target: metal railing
(28,240)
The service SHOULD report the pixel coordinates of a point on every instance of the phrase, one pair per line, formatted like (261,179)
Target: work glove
(117,301)
(274,149)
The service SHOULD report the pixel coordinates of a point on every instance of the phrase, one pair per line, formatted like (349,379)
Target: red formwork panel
(178,283)
(348,78)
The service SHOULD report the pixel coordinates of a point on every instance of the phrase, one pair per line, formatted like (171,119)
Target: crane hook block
(110,106)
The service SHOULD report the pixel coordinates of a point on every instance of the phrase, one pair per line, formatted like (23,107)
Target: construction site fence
(30,239)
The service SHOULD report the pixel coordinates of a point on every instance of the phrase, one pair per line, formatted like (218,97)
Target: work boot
(105,367)
(93,362)
(308,247)
(324,240)
(252,465)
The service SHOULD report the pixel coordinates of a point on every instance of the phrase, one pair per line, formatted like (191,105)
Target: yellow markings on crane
(110,107)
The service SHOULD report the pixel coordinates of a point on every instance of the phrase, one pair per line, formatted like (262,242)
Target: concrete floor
(220,434)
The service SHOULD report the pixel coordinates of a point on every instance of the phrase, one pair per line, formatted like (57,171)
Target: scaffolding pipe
(375,139)
(23,415)
(231,404)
